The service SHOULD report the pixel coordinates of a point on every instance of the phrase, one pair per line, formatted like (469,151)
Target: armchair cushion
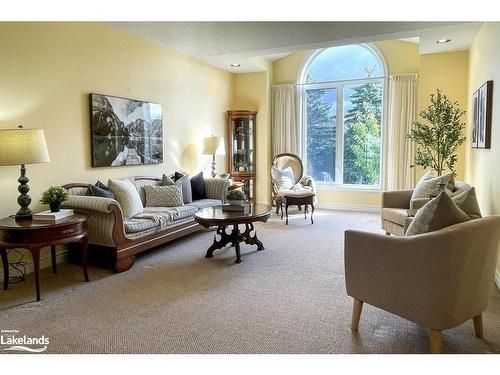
(429,182)
(283,178)
(439,213)
(467,202)
(395,215)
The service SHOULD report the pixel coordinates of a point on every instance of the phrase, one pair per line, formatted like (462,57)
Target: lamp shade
(23,146)
(211,145)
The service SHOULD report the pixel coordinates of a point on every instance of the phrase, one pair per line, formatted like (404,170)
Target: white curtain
(402,113)
(285,122)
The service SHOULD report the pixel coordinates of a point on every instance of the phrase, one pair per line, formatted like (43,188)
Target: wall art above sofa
(125,131)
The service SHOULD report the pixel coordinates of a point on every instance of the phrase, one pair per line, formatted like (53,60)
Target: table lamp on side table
(211,147)
(23,146)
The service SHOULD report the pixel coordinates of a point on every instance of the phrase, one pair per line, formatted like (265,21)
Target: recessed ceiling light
(443,41)
(235,65)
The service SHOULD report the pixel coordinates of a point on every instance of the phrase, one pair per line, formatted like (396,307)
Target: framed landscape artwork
(125,131)
(482,101)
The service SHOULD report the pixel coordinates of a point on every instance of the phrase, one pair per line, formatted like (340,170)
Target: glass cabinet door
(242,144)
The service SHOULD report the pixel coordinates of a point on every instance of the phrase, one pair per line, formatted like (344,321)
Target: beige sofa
(438,279)
(397,203)
(115,240)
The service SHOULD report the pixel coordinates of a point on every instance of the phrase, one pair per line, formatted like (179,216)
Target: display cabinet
(241,149)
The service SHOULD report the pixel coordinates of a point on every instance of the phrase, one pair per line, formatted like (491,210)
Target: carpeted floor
(289,298)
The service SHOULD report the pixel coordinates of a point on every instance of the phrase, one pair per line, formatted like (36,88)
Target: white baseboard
(45,260)
(348,207)
(497,278)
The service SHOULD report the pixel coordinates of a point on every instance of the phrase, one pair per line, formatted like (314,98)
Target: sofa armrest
(216,188)
(105,218)
(396,198)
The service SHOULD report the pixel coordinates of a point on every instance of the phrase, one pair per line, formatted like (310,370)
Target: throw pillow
(95,191)
(467,202)
(429,182)
(167,181)
(438,213)
(163,196)
(127,196)
(184,182)
(198,187)
(283,178)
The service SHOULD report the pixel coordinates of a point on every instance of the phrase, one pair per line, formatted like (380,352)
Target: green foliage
(321,130)
(54,194)
(362,135)
(235,195)
(440,136)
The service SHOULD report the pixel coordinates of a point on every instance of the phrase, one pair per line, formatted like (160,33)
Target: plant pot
(55,207)
(238,202)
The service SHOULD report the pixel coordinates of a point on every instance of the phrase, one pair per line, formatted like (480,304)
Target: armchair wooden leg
(387,233)
(436,341)
(356,314)
(478,325)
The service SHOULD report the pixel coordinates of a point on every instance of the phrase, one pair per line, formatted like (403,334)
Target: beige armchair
(439,279)
(397,203)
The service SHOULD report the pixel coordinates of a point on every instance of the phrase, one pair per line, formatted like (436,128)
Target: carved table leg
(221,243)
(5,263)
(35,253)
(252,239)
(53,258)
(286,213)
(236,243)
(85,244)
(312,212)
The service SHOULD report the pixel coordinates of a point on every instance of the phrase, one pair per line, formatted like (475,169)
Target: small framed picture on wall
(482,101)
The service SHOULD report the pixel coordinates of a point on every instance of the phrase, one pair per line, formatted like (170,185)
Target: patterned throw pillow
(467,202)
(127,196)
(283,178)
(163,196)
(438,213)
(429,182)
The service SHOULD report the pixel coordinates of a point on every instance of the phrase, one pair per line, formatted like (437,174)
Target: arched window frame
(339,86)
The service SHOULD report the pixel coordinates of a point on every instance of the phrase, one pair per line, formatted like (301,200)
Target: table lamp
(211,147)
(23,146)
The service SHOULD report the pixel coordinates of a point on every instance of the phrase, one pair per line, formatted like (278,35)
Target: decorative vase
(55,207)
(238,202)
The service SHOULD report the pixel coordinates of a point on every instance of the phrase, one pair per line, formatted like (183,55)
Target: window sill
(352,188)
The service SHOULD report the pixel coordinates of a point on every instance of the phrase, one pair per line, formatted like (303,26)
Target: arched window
(342,104)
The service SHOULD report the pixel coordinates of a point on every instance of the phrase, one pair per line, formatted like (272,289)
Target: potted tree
(440,135)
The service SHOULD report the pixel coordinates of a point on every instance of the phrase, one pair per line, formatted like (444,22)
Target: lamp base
(213,167)
(24,199)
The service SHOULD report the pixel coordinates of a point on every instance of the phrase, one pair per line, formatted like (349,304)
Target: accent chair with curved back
(285,160)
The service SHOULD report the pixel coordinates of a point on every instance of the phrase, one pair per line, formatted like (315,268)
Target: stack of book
(52,216)
(241,208)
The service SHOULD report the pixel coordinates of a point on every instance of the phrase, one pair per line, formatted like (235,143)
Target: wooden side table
(305,200)
(35,235)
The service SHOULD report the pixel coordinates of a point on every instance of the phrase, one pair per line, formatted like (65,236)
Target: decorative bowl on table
(237,202)
(236,198)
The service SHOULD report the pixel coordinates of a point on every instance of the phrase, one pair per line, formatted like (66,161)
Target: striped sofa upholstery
(101,211)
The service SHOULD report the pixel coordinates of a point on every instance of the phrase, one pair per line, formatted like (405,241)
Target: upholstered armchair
(396,204)
(439,279)
(306,184)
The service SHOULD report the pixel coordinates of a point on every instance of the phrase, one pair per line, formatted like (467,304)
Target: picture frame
(125,131)
(482,101)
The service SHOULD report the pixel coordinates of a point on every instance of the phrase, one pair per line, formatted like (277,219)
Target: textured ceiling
(223,43)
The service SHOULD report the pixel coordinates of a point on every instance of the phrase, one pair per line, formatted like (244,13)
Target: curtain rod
(347,80)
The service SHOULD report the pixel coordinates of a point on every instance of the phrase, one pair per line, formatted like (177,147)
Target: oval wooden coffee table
(214,216)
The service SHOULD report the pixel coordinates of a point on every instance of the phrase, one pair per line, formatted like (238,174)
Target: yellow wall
(448,72)
(47,71)
(482,165)
(401,57)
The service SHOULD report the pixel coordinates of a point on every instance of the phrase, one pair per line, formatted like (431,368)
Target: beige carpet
(289,298)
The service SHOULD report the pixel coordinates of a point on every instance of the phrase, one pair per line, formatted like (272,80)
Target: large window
(342,105)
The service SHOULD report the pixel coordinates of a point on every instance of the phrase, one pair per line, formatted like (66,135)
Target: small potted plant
(235,197)
(54,196)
